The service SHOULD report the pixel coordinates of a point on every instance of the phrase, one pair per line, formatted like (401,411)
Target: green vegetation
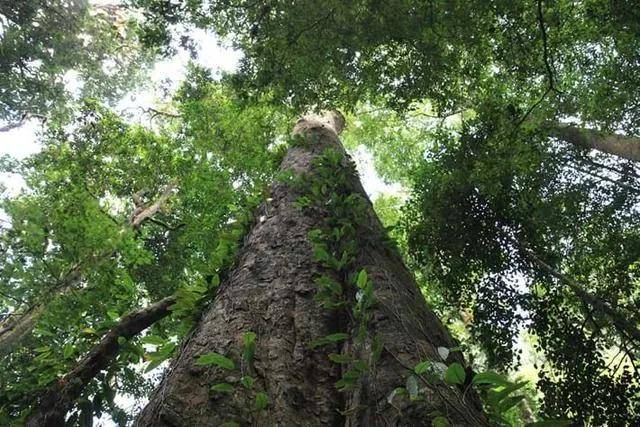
(512,127)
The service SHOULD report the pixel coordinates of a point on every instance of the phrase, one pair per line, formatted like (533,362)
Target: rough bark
(57,400)
(271,292)
(611,143)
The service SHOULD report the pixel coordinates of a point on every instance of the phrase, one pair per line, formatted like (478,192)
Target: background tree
(76,221)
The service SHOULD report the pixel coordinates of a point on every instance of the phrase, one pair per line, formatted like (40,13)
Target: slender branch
(57,400)
(604,178)
(530,110)
(609,168)
(550,75)
(621,320)
(545,47)
(25,117)
(167,226)
(155,113)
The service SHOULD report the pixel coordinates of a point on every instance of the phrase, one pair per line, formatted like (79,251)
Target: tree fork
(271,293)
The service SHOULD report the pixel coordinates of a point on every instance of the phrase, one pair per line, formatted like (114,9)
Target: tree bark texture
(271,292)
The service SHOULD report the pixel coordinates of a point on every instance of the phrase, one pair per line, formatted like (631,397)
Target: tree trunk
(610,143)
(270,292)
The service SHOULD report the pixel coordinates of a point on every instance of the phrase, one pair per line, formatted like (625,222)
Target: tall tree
(318,300)
(517,77)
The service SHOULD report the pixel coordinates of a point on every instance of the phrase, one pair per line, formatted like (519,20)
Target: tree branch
(627,147)
(619,319)
(25,117)
(140,214)
(57,400)
(545,47)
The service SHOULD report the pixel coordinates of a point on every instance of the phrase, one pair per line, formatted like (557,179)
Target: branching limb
(140,214)
(57,400)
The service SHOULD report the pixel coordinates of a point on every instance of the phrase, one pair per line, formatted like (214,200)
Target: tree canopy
(512,127)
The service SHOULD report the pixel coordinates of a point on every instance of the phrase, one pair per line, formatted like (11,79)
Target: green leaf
(339,358)
(214,281)
(249,338)
(222,388)
(396,392)
(262,401)
(440,422)
(249,346)
(422,367)
(153,339)
(362,279)
(491,378)
(321,254)
(509,403)
(348,380)
(153,364)
(337,337)
(230,424)
(454,374)
(376,348)
(247,382)
(333,338)
(68,350)
(496,395)
(217,359)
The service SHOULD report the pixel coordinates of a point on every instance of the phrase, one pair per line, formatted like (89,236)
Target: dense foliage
(517,232)
(45,44)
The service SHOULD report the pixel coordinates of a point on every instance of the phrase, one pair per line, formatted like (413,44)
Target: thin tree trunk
(15,328)
(611,143)
(57,400)
(271,293)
